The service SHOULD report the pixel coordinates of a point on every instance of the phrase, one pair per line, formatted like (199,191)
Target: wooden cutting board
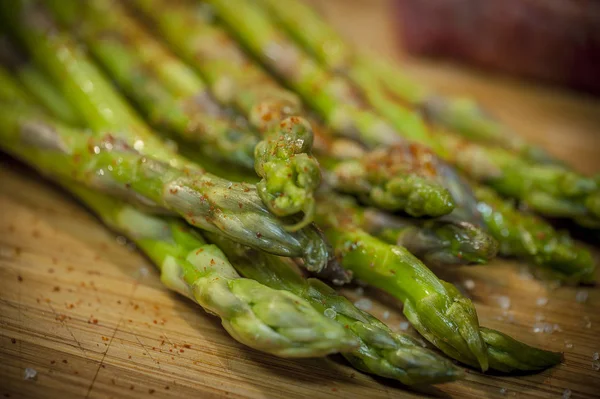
(88,313)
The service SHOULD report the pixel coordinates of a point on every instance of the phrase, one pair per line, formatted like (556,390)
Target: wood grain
(89,314)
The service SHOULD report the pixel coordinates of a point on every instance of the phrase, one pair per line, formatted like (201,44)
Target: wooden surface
(89,314)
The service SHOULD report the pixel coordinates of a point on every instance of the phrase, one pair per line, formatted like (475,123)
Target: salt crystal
(587,323)
(386,315)
(469,284)
(504,302)
(596,365)
(330,313)
(143,270)
(566,393)
(360,291)
(121,240)
(568,345)
(538,327)
(364,304)
(525,274)
(404,325)
(542,301)
(546,328)
(502,391)
(581,296)
(596,356)
(30,374)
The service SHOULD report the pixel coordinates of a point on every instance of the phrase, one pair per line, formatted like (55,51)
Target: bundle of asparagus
(551,189)
(67,113)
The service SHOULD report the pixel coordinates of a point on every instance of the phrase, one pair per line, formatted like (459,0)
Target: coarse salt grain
(386,315)
(364,304)
(581,296)
(504,302)
(143,270)
(566,393)
(546,328)
(541,301)
(404,325)
(568,345)
(30,374)
(359,291)
(469,284)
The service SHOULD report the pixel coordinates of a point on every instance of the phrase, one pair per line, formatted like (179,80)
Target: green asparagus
(270,320)
(337,102)
(549,189)
(434,307)
(436,242)
(37,83)
(400,177)
(172,97)
(458,114)
(216,55)
(381,351)
(529,237)
(104,110)
(175,98)
(110,165)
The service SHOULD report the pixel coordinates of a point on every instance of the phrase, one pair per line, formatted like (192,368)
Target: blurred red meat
(555,41)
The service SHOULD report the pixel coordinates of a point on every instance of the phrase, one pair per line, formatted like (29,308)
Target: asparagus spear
(435,242)
(434,307)
(270,320)
(550,189)
(458,114)
(397,177)
(175,98)
(36,82)
(529,237)
(381,351)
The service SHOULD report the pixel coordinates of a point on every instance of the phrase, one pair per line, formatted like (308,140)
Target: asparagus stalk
(37,83)
(381,351)
(549,189)
(215,54)
(269,320)
(461,115)
(400,177)
(436,242)
(434,307)
(529,237)
(175,98)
